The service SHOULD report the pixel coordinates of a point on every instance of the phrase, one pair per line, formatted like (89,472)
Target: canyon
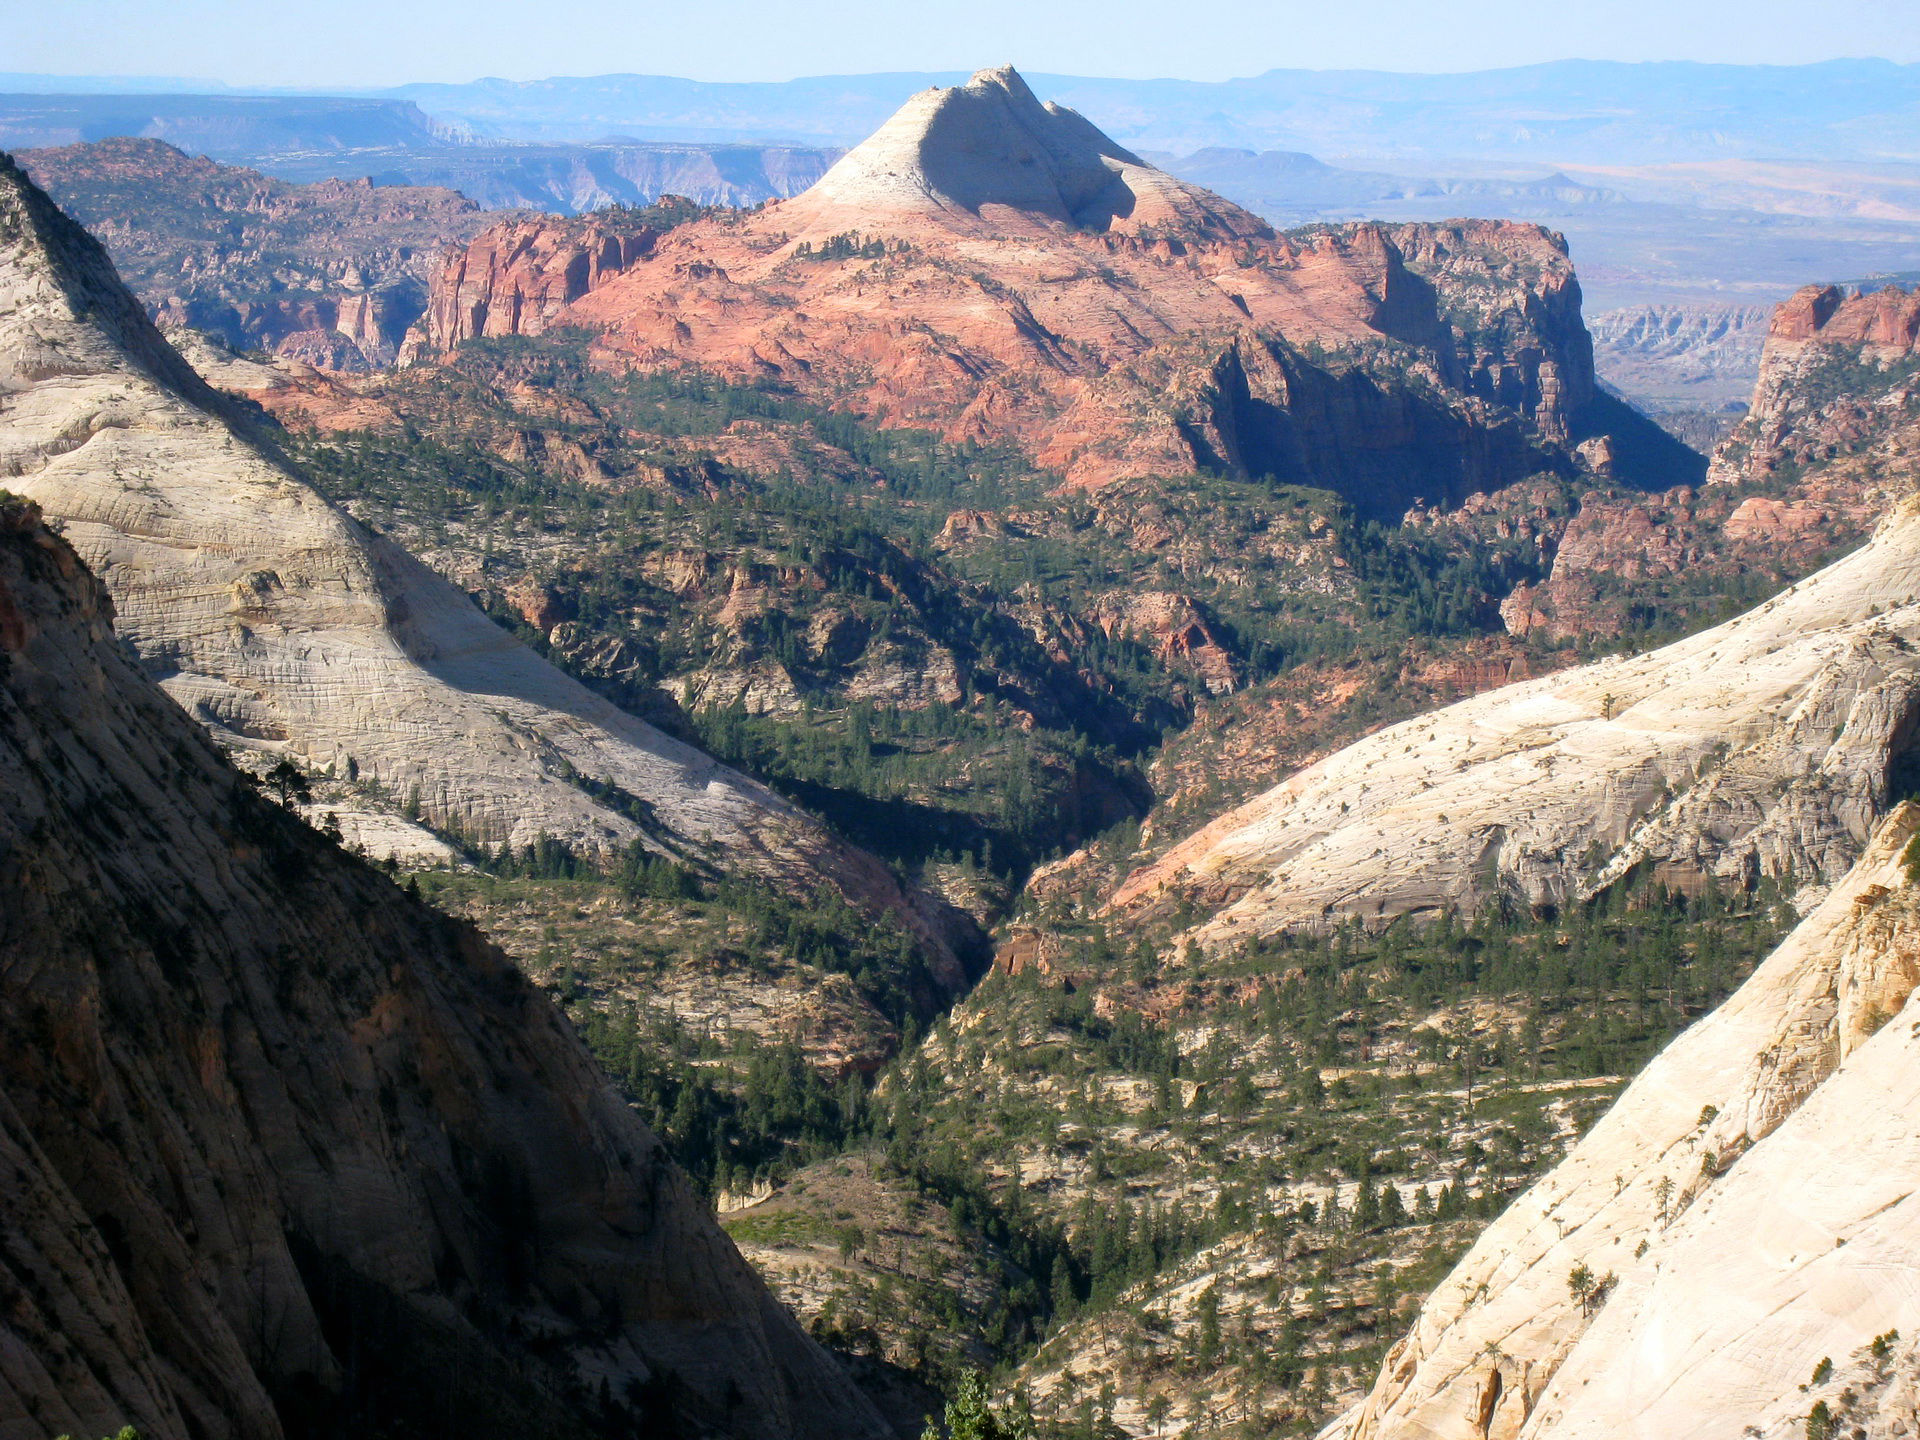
(736,615)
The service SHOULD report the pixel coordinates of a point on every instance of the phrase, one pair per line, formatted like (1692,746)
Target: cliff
(292,632)
(284,1152)
(1767,745)
(993,268)
(1839,376)
(1745,1210)
(517,275)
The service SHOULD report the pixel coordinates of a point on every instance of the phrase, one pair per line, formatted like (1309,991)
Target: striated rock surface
(330,274)
(993,268)
(1745,1209)
(283,1151)
(1766,745)
(289,630)
(517,275)
(1681,356)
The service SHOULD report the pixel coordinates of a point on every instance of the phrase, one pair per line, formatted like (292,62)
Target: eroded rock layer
(284,1151)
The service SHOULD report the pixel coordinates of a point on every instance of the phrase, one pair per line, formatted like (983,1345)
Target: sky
(373,43)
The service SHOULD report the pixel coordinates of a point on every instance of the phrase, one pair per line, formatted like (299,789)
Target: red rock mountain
(996,269)
(1837,374)
(283,1151)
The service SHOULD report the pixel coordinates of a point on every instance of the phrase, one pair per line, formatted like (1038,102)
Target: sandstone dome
(988,156)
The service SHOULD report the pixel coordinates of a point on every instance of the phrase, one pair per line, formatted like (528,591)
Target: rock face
(1838,373)
(289,630)
(994,269)
(283,1151)
(516,276)
(1746,1210)
(1767,745)
(331,273)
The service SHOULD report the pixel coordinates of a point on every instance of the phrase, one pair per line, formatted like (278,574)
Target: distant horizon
(105,83)
(363,45)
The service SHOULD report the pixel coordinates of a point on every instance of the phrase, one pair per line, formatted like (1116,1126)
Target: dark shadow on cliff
(1644,456)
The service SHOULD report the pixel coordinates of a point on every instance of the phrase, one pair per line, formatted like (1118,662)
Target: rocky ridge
(1766,745)
(291,632)
(285,1152)
(1747,1201)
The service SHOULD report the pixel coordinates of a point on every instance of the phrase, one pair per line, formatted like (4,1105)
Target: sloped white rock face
(988,155)
(1760,746)
(1750,1196)
(287,628)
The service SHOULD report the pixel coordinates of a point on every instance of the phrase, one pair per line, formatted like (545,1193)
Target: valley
(988,775)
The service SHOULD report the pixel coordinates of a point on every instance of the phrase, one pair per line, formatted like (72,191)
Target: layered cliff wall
(516,276)
(282,1151)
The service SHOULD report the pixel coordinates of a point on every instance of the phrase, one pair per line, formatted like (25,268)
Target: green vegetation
(1229,1176)
(971,1415)
(1319,1124)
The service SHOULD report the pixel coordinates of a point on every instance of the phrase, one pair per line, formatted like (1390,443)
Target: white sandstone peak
(989,157)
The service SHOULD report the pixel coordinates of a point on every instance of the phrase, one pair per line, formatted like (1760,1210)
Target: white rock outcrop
(1762,746)
(989,157)
(287,628)
(1747,1208)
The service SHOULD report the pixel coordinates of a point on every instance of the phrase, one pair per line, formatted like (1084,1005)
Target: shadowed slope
(280,1146)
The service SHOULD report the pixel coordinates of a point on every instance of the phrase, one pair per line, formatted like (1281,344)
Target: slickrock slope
(282,1151)
(1746,1209)
(288,629)
(993,268)
(1764,745)
(331,273)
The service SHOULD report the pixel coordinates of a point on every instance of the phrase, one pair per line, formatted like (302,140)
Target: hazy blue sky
(383,42)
